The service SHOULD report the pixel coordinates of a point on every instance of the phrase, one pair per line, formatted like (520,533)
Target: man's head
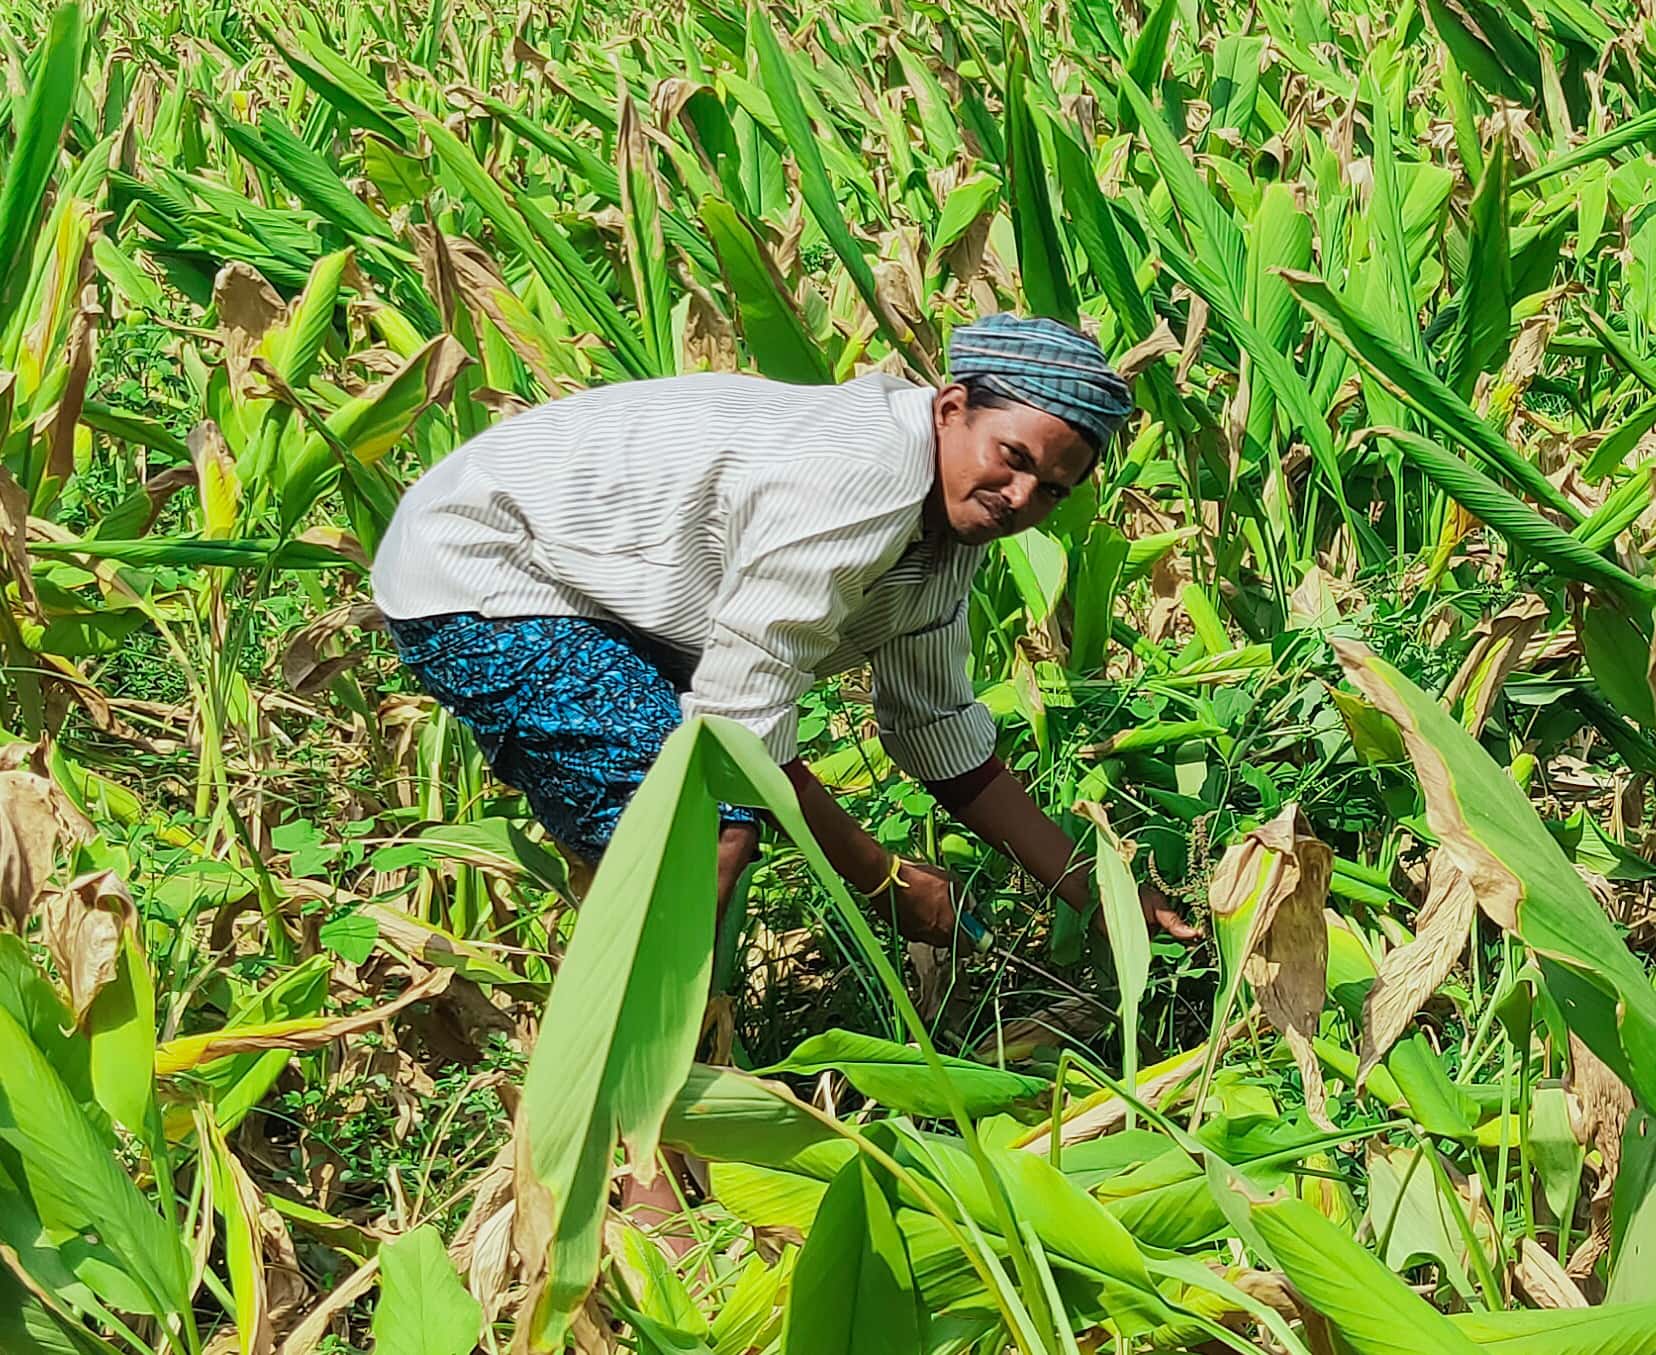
(1021,425)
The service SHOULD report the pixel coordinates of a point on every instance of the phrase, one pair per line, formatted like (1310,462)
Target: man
(573,582)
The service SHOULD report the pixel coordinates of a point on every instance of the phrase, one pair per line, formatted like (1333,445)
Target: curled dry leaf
(35,815)
(1147,351)
(307,1336)
(301,1033)
(1605,1105)
(1274,882)
(83,925)
(304,668)
(14,546)
(1497,649)
(247,307)
(1410,974)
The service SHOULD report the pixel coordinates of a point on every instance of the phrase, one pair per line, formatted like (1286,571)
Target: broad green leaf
(423,1308)
(803,139)
(1616,638)
(237,1202)
(852,1289)
(1373,1311)
(1629,133)
(549,251)
(646,253)
(1041,263)
(1509,515)
(776,337)
(896,1076)
(1609,1329)
(1418,388)
(1213,233)
(120,1025)
(967,201)
(726,1116)
(39,120)
(73,1178)
(1478,338)
(1039,568)
(1118,905)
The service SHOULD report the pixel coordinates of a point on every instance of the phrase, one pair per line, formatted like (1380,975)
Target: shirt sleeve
(805,541)
(931,722)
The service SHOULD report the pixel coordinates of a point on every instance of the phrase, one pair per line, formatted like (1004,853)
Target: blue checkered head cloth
(1044,363)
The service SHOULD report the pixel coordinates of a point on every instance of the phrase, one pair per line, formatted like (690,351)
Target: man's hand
(924,901)
(1159,913)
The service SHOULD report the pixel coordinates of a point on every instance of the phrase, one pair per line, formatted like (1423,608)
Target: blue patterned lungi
(570,711)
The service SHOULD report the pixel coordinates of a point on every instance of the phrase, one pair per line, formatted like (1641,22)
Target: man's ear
(951,403)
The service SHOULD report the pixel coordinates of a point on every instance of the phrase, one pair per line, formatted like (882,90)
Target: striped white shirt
(773,531)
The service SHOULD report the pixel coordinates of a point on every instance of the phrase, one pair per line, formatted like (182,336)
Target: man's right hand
(924,899)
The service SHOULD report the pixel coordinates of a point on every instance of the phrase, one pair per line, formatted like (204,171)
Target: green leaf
(423,1308)
(351,936)
(1118,904)
(1213,233)
(1616,638)
(852,1288)
(726,1116)
(1041,263)
(895,1075)
(1629,133)
(73,1178)
(776,336)
(1483,324)
(967,201)
(1421,390)
(39,123)
(646,253)
(1610,1329)
(121,1027)
(803,139)
(1515,520)
(357,98)
(1373,1311)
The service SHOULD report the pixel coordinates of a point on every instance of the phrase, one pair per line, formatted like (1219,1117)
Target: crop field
(1347,646)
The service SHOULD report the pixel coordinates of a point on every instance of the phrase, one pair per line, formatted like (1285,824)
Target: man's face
(1000,471)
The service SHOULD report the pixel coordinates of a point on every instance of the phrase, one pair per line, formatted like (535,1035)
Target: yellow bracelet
(891,878)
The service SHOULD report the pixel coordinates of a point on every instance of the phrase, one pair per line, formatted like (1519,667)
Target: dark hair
(983,393)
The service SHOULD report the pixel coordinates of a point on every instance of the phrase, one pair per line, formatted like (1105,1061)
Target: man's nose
(1020,492)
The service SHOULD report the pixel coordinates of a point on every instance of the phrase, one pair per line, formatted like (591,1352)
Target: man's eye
(1055,492)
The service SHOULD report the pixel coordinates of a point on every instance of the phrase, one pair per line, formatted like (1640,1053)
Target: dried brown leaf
(299,1034)
(1410,974)
(1543,1281)
(1497,649)
(1196,324)
(304,667)
(83,328)
(83,925)
(14,545)
(247,307)
(35,815)
(1281,871)
(1147,351)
